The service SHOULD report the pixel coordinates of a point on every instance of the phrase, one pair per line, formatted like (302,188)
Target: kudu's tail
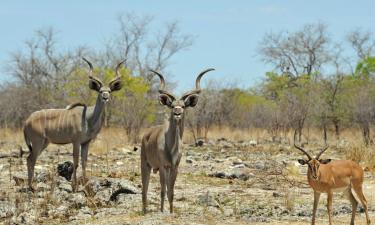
(27,140)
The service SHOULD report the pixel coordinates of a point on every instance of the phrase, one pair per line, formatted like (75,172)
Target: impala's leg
(76,147)
(145,173)
(329,206)
(358,190)
(172,180)
(354,203)
(316,202)
(163,186)
(84,152)
(37,147)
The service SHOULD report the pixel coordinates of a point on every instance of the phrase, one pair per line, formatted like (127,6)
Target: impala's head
(177,106)
(312,163)
(104,90)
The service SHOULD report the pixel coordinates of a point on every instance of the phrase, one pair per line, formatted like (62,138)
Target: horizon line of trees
(315,81)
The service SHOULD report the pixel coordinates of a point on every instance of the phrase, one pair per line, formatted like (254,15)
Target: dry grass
(361,154)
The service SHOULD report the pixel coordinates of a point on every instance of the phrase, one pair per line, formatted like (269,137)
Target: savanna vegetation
(314,81)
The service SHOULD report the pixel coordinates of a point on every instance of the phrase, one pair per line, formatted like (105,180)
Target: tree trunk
(366,133)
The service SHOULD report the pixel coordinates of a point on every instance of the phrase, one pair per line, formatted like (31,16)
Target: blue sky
(227,33)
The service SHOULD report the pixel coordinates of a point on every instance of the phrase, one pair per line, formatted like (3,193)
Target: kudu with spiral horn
(161,148)
(326,176)
(76,124)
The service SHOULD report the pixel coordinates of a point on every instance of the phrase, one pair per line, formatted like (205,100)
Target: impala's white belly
(343,189)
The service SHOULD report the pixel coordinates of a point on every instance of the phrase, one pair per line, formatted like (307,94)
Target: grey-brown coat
(161,148)
(76,124)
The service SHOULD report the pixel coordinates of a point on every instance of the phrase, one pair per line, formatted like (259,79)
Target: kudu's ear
(325,161)
(115,85)
(191,100)
(165,100)
(302,161)
(94,85)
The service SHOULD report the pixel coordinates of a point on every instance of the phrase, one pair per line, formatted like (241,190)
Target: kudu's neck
(97,117)
(174,132)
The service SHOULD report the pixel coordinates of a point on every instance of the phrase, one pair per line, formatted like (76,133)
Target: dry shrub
(361,154)
(289,199)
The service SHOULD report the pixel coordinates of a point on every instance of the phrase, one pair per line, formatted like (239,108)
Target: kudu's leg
(172,180)
(358,190)
(316,202)
(145,173)
(354,203)
(329,206)
(37,147)
(84,153)
(163,186)
(76,147)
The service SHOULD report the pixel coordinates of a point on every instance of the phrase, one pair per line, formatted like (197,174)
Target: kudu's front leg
(172,180)
(163,186)
(76,147)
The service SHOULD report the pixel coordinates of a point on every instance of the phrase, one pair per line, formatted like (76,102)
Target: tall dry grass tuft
(289,199)
(361,154)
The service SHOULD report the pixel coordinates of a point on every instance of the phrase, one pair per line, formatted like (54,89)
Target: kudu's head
(189,99)
(313,163)
(104,90)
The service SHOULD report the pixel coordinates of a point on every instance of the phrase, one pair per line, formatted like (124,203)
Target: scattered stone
(207,200)
(218,174)
(42,177)
(7,209)
(65,170)
(78,200)
(199,143)
(189,159)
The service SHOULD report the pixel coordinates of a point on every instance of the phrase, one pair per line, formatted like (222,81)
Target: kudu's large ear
(165,100)
(95,85)
(191,100)
(115,85)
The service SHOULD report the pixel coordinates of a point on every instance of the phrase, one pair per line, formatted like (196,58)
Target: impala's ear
(115,85)
(191,100)
(325,161)
(94,85)
(302,161)
(165,100)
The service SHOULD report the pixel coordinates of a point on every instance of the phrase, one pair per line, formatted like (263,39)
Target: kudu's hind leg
(145,173)
(37,147)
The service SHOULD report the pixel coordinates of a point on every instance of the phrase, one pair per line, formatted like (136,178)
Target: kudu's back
(58,126)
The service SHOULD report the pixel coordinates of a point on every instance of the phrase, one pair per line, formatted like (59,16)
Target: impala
(326,176)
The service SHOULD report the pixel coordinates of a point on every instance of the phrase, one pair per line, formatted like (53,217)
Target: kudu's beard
(177,116)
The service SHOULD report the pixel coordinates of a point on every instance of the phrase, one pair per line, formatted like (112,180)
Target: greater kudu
(76,124)
(162,145)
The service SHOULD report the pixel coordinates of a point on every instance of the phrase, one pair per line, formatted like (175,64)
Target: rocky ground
(221,182)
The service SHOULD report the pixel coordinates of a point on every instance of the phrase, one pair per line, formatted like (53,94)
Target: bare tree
(302,52)
(362,42)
